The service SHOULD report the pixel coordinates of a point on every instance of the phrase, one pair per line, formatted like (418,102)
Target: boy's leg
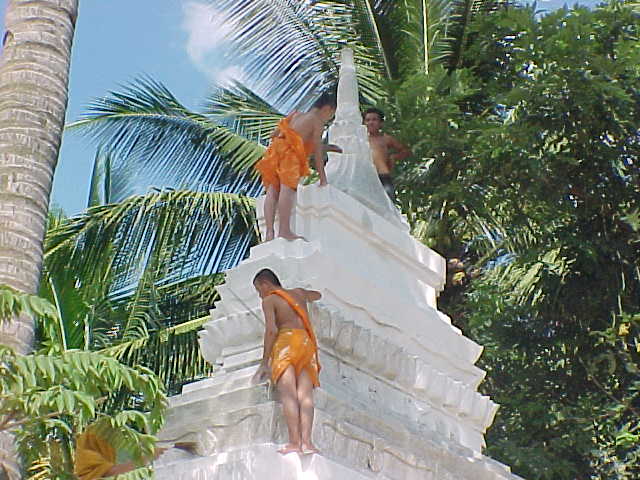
(285,208)
(305,401)
(287,390)
(270,204)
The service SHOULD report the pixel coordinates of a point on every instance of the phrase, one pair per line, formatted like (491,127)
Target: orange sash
(303,316)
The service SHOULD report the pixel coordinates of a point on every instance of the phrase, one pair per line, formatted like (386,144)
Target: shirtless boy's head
(325,106)
(373,119)
(265,282)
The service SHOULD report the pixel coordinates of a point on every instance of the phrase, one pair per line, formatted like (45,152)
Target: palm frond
(368,15)
(172,353)
(152,139)
(186,232)
(244,111)
(463,13)
(290,49)
(384,7)
(427,24)
(100,186)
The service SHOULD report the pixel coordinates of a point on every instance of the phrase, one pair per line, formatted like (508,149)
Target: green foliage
(115,275)
(527,169)
(149,137)
(294,76)
(47,399)
(14,303)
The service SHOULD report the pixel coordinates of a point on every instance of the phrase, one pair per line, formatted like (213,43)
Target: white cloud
(207,43)
(206,34)
(228,75)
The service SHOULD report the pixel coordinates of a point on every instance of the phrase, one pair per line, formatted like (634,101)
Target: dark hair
(377,111)
(326,99)
(266,275)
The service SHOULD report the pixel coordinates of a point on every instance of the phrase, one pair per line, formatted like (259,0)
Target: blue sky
(176,42)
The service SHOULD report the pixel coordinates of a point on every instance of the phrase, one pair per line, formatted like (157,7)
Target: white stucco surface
(398,397)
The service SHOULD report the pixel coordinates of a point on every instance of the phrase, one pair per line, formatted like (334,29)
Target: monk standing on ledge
(286,161)
(290,356)
(385,150)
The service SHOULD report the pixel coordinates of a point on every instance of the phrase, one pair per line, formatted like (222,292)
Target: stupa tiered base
(398,395)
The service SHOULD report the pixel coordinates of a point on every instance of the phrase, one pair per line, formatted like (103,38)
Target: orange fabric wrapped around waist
(293,347)
(286,160)
(311,344)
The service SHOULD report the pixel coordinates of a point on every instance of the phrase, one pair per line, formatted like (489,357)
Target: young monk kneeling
(290,355)
(286,161)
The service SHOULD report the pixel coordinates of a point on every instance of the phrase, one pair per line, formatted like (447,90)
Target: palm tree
(144,135)
(289,51)
(136,279)
(114,305)
(33,80)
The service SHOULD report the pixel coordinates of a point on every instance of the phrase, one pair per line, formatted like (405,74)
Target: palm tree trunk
(34,72)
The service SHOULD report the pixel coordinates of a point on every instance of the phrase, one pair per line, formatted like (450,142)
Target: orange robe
(286,160)
(295,346)
(94,457)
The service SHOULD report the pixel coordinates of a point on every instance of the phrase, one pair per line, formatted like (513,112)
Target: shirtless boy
(290,355)
(382,146)
(297,137)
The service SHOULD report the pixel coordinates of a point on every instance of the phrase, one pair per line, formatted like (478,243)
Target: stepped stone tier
(398,398)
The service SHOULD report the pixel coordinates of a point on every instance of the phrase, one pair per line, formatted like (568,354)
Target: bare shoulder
(296,293)
(269,300)
(389,139)
(305,124)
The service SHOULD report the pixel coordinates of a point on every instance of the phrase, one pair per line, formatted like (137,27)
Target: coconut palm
(126,330)
(148,325)
(122,276)
(289,51)
(34,75)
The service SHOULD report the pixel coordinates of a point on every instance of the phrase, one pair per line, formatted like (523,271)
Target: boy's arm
(310,295)
(401,151)
(270,329)
(318,157)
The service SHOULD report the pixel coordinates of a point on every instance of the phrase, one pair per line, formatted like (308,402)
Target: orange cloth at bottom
(94,457)
(293,346)
(286,160)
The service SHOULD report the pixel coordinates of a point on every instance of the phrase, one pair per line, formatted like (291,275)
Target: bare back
(286,317)
(307,125)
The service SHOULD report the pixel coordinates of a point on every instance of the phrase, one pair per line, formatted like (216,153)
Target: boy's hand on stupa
(262,374)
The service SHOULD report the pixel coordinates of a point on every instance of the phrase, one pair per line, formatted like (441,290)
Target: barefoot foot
(309,449)
(289,448)
(268,236)
(291,237)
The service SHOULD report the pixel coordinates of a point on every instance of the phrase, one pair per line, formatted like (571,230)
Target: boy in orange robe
(290,355)
(286,161)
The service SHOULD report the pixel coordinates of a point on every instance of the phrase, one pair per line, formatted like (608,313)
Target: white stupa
(353,172)
(398,397)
